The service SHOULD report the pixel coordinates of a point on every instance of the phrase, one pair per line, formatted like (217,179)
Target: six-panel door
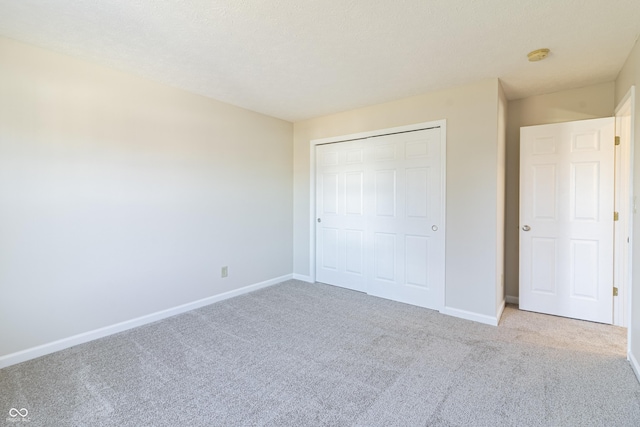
(379,203)
(566,219)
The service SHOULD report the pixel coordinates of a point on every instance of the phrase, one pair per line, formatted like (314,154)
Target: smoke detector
(538,55)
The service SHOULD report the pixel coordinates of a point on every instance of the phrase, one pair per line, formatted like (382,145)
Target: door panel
(354,192)
(566,219)
(329,251)
(354,251)
(384,257)
(417,182)
(544,192)
(416,251)
(585,194)
(340,206)
(330,193)
(383,204)
(584,269)
(543,265)
(386,193)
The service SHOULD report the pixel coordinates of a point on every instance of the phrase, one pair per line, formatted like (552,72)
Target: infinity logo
(13,412)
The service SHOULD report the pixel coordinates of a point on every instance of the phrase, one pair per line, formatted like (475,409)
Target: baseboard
(52,347)
(512,300)
(634,365)
(470,315)
(303,278)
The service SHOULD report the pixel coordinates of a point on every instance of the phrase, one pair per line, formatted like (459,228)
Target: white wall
(576,104)
(472,191)
(630,75)
(120,197)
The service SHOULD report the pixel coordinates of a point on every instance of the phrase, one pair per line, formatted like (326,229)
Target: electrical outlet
(224,272)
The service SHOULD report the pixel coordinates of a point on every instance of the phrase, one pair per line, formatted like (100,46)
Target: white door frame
(622,260)
(625,107)
(442,124)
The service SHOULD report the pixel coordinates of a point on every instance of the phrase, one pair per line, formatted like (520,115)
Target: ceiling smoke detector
(538,55)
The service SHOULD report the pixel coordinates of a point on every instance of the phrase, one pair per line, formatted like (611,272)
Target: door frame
(624,204)
(442,124)
(625,107)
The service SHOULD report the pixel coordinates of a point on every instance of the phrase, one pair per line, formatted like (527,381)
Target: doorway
(567,219)
(622,212)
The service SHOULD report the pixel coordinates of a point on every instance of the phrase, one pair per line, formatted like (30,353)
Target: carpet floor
(297,354)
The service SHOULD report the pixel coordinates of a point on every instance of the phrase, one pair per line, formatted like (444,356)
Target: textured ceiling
(297,59)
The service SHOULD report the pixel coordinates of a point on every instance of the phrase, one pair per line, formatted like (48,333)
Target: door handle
(526,228)
(319,220)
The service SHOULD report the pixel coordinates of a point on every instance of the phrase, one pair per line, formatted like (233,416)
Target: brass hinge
(615,291)
(617,140)
(616,216)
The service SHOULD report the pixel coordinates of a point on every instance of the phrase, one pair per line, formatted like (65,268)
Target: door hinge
(617,140)
(616,216)
(615,291)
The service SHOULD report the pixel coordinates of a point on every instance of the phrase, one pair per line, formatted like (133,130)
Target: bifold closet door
(379,216)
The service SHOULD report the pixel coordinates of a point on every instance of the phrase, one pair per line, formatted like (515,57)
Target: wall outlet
(224,272)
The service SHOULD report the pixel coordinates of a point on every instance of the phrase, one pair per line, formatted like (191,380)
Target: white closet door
(381,230)
(340,231)
(566,219)
(405,225)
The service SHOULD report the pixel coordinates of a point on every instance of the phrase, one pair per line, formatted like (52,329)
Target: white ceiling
(297,59)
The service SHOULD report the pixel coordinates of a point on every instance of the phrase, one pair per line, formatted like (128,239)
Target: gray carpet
(298,354)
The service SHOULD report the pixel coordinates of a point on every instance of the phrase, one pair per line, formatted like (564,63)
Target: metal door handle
(319,220)
(526,228)
(434,228)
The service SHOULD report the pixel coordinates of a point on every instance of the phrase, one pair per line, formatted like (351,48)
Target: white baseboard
(512,300)
(41,350)
(634,365)
(470,315)
(303,278)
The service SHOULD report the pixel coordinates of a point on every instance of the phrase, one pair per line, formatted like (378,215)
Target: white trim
(442,124)
(41,350)
(623,200)
(303,278)
(378,132)
(500,311)
(312,211)
(634,365)
(469,315)
(627,96)
(631,97)
(512,300)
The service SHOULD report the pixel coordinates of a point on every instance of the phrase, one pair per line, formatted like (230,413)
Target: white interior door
(380,217)
(566,219)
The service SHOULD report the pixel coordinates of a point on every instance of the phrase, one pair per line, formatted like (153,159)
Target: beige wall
(120,197)
(472,194)
(576,104)
(629,76)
